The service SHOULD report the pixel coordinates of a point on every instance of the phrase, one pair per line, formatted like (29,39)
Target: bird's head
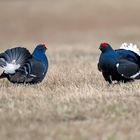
(104,46)
(41,47)
(39,52)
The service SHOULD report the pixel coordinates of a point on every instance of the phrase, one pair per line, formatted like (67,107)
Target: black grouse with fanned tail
(20,66)
(119,65)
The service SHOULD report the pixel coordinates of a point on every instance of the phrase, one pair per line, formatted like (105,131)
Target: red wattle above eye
(104,44)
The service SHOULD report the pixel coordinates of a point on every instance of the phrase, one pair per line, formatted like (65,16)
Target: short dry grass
(73,102)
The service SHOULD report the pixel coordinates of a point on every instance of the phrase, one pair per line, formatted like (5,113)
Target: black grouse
(20,66)
(119,65)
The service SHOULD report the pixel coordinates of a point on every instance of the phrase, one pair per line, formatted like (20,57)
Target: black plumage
(20,66)
(19,55)
(119,65)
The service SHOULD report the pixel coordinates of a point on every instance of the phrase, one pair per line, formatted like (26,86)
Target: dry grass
(73,102)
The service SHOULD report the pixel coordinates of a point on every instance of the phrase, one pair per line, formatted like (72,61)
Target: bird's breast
(107,62)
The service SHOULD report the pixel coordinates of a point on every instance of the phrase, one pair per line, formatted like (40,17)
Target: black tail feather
(4,56)
(2,63)
(20,55)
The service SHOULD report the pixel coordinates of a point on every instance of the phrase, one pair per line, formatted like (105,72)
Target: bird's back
(128,55)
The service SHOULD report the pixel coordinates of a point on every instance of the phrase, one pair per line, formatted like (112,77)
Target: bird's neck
(108,49)
(40,56)
(109,55)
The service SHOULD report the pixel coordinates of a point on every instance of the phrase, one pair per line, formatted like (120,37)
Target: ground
(73,102)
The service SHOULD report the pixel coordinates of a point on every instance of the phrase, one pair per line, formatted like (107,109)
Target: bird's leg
(110,79)
(3,75)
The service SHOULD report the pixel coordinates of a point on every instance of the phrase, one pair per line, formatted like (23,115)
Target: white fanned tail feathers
(130,47)
(11,68)
(13,59)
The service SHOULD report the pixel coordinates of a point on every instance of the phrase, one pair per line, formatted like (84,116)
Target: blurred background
(73,102)
(25,23)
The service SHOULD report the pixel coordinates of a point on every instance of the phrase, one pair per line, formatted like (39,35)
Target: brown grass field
(73,102)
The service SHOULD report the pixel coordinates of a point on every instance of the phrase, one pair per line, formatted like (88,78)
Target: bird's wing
(128,69)
(29,73)
(23,74)
(21,77)
(18,77)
